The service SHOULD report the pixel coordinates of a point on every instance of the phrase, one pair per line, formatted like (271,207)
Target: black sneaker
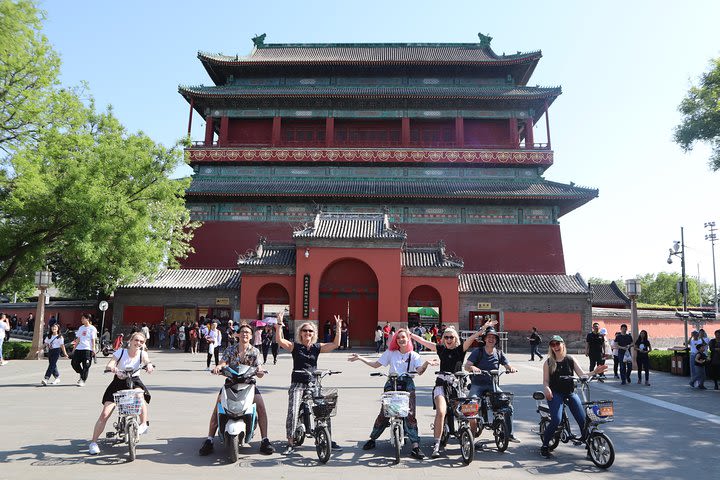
(545,451)
(335,446)
(266,447)
(417,453)
(369,445)
(207,447)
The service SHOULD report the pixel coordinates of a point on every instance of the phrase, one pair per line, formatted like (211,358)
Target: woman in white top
(55,344)
(134,356)
(213,339)
(4,327)
(401,359)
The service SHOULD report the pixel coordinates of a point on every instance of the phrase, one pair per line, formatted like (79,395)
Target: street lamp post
(712,237)
(678,250)
(42,281)
(633,291)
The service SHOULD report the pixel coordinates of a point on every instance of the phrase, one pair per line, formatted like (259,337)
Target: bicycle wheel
(322,444)
(467,445)
(500,433)
(556,438)
(232,447)
(397,441)
(132,437)
(602,451)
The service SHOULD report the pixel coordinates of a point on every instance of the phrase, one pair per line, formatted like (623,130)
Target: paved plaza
(663,431)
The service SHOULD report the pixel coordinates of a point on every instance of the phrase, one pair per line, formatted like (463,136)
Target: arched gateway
(349,288)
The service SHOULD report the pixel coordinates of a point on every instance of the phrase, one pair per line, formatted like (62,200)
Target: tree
(701,115)
(77,191)
(661,289)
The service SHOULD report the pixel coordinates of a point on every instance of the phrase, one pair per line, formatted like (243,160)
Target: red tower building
(438,138)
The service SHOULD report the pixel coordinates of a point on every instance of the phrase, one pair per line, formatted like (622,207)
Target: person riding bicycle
(452,355)
(134,356)
(305,356)
(487,357)
(402,359)
(559,390)
(240,353)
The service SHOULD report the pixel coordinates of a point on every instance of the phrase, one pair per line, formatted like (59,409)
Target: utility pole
(712,237)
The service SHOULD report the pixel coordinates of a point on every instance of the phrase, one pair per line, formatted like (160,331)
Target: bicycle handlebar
(393,375)
(129,370)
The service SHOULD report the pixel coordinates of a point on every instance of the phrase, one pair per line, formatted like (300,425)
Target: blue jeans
(535,350)
(479,391)
(556,408)
(53,356)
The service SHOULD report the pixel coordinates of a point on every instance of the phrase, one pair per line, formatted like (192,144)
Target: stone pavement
(666,430)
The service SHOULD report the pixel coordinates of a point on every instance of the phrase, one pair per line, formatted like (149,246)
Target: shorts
(118,384)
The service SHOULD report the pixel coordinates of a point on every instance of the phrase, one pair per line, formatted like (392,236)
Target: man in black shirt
(624,342)
(595,347)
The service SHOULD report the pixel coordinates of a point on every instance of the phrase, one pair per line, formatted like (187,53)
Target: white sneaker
(4,362)
(44,381)
(142,429)
(81,383)
(93,449)
(56,381)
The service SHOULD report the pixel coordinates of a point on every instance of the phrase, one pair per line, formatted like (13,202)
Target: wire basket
(326,405)
(396,404)
(500,400)
(129,402)
(600,411)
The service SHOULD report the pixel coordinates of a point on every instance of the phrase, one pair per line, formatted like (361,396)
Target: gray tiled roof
(434,256)
(190,279)
(371,53)
(608,294)
(500,283)
(270,255)
(350,226)
(334,91)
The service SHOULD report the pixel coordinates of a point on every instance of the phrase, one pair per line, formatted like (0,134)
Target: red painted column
(547,124)
(276,126)
(329,131)
(192,104)
(405,132)
(459,132)
(209,131)
(529,137)
(224,127)
(514,137)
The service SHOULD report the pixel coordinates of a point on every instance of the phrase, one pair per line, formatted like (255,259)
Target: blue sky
(624,68)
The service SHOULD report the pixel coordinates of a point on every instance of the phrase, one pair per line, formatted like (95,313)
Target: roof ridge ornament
(484,40)
(259,40)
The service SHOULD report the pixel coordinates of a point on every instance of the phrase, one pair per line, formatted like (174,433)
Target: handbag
(46,347)
(628,356)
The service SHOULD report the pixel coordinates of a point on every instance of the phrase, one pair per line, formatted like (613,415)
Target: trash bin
(680,363)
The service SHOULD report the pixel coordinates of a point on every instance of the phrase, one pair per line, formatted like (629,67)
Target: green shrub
(15,350)
(660,360)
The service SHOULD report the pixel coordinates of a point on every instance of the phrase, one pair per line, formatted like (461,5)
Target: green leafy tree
(701,114)
(77,191)
(661,289)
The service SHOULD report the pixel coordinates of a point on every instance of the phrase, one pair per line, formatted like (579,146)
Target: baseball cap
(557,338)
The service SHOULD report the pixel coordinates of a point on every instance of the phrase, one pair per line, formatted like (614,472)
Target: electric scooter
(237,413)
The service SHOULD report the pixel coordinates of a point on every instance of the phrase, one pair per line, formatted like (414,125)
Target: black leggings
(216,352)
(643,363)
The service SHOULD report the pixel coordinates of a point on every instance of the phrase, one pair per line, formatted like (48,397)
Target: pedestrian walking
(54,347)
(535,339)
(642,357)
(715,358)
(84,349)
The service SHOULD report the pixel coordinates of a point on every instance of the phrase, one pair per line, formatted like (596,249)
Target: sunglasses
(554,344)
(307,330)
(449,338)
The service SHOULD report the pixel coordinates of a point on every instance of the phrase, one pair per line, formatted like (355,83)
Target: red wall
(252,284)
(487,133)
(69,315)
(250,131)
(447,287)
(484,248)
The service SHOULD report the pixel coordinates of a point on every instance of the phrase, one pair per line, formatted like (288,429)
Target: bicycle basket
(600,411)
(500,400)
(326,405)
(129,402)
(396,404)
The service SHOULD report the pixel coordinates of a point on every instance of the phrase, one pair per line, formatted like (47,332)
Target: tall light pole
(42,281)
(678,250)
(712,237)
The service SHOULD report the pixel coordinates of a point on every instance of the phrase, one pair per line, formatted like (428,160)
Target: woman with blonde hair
(558,388)
(305,356)
(134,356)
(452,356)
